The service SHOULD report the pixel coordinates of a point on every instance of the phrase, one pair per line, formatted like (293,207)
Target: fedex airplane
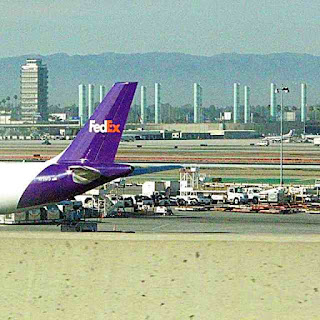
(87,163)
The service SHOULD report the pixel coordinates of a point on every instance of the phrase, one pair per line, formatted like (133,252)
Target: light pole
(282,90)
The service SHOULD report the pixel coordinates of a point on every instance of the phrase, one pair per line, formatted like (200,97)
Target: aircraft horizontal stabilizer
(138,170)
(84,174)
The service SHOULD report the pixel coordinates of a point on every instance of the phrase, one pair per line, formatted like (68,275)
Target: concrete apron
(158,276)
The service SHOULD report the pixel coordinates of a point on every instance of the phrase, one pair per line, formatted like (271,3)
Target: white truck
(263,143)
(254,195)
(276,195)
(219,196)
(316,141)
(197,199)
(257,195)
(237,195)
(234,195)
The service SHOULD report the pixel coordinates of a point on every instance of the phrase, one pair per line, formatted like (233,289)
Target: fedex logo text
(107,126)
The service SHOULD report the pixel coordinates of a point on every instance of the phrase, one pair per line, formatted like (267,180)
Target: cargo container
(172,188)
(41,215)
(150,188)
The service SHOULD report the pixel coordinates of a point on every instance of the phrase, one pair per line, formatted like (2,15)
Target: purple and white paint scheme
(87,163)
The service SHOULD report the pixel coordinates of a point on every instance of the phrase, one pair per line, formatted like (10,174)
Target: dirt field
(116,276)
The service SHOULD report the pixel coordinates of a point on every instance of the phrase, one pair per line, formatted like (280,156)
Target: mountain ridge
(176,72)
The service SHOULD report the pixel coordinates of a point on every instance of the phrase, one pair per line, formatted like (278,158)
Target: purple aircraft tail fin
(98,140)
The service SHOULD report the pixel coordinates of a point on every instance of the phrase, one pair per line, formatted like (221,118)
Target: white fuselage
(14,179)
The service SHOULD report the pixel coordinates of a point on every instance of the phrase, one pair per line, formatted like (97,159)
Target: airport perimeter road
(202,222)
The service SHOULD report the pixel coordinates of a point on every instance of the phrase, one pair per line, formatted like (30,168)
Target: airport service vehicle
(254,194)
(163,210)
(119,212)
(274,195)
(234,195)
(303,194)
(87,163)
(189,200)
(257,195)
(144,200)
(316,141)
(263,143)
(192,201)
(218,196)
(173,201)
(237,195)
(203,200)
(309,137)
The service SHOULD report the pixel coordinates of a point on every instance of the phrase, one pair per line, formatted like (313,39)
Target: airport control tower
(34,91)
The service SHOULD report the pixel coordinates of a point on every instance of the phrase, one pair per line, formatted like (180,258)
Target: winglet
(98,140)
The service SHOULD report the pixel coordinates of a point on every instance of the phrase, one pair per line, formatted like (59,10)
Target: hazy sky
(199,27)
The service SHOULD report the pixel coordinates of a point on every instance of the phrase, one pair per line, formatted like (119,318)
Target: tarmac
(207,222)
